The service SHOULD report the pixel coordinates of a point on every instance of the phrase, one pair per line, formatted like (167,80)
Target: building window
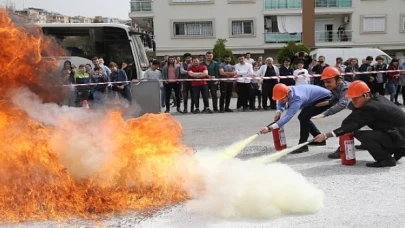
(242,28)
(193,29)
(191,1)
(403,22)
(374,24)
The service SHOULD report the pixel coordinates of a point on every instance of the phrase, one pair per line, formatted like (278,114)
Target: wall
(391,8)
(220,11)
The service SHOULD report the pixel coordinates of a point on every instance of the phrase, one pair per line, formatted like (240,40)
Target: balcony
(275,37)
(282,4)
(321,37)
(141,6)
(333,36)
(333,3)
(296,4)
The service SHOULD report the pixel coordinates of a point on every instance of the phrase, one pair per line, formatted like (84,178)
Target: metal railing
(141,6)
(320,36)
(296,4)
(333,36)
(282,4)
(333,3)
(275,37)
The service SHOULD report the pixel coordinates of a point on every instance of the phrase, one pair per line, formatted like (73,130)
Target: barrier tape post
(232,79)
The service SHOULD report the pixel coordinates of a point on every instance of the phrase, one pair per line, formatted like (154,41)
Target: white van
(345,53)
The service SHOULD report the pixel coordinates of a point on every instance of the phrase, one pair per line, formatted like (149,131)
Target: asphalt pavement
(355,196)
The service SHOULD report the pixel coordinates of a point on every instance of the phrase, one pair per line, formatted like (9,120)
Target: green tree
(220,51)
(289,51)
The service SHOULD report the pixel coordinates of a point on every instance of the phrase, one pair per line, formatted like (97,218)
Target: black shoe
(196,111)
(397,103)
(317,143)
(167,111)
(335,155)
(228,110)
(300,150)
(184,111)
(386,163)
(221,110)
(207,110)
(359,147)
(178,110)
(398,155)
(216,110)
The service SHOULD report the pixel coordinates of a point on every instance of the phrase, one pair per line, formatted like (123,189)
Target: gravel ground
(356,196)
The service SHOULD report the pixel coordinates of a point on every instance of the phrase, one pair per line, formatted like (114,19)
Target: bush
(290,50)
(220,51)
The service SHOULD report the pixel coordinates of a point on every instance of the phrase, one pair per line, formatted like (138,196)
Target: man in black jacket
(386,120)
(287,70)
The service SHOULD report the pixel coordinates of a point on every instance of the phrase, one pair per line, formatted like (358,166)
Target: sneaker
(207,110)
(196,111)
(379,164)
(317,143)
(300,150)
(360,147)
(335,155)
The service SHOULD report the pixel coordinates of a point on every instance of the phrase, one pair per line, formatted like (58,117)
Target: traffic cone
(85,104)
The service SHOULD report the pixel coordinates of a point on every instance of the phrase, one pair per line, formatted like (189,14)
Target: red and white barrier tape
(232,79)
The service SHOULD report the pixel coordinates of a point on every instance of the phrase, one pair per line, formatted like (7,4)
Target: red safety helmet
(329,72)
(357,89)
(280,90)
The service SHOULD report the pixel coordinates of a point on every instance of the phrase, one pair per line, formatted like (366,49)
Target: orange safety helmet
(280,90)
(329,72)
(357,89)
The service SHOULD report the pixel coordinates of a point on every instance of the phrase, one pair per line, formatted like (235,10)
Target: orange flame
(86,170)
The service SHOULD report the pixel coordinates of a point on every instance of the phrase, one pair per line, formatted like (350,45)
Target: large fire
(71,169)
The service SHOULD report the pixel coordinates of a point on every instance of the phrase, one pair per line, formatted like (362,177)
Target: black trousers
(379,88)
(168,89)
(203,89)
(245,95)
(257,93)
(226,95)
(213,88)
(267,93)
(187,89)
(378,143)
(398,91)
(306,125)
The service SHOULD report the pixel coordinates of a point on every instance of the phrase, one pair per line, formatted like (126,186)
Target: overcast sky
(89,8)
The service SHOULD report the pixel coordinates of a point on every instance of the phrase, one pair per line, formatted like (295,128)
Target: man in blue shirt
(312,99)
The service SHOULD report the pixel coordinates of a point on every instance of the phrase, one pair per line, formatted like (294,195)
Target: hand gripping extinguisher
(280,142)
(347,149)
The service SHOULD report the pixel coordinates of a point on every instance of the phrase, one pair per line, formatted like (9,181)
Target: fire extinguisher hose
(274,157)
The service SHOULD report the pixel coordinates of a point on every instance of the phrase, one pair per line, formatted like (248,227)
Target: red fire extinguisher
(280,142)
(347,149)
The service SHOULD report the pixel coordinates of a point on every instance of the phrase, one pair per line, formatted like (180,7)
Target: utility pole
(308,23)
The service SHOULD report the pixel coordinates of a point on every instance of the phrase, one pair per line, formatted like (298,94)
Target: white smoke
(228,188)
(80,140)
(248,189)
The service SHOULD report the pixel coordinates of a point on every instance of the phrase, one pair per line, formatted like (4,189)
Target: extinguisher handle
(271,124)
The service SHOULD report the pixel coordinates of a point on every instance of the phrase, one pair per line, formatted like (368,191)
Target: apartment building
(264,26)
(57,18)
(81,19)
(33,15)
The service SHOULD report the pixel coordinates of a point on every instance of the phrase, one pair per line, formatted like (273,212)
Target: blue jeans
(203,89)
(98,99)
(392,89)
(163,96)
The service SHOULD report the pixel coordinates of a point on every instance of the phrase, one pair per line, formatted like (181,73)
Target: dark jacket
(287,72)
(119,76)
(378,114)
(351,77)
(365,77)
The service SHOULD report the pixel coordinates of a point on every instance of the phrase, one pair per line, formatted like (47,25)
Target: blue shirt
(300,97)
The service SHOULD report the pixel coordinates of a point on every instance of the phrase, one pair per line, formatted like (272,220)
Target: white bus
(114,42)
